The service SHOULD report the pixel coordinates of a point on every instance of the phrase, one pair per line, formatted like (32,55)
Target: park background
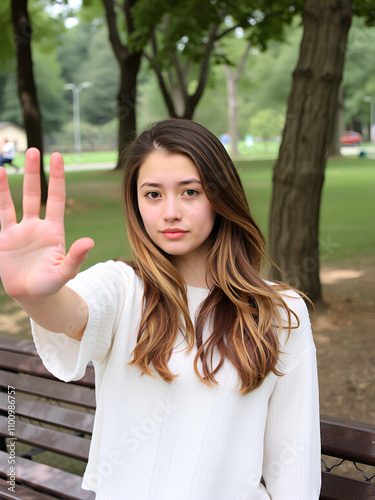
(70,45)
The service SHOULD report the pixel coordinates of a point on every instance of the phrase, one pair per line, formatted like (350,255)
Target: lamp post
(372,116)
(76,90)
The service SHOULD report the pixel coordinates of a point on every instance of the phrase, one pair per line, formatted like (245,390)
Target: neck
(193,268)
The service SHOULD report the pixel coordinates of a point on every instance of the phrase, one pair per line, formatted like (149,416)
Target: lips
(173,233)
(173,230)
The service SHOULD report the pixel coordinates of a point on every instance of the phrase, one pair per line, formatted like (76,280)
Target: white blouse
(186,441)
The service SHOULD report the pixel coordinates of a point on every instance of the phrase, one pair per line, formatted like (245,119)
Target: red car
(351,138)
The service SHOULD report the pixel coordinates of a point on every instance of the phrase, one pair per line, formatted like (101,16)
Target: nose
(172,209)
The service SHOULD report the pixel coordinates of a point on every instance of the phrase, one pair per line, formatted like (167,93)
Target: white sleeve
(104,288)
(292,453)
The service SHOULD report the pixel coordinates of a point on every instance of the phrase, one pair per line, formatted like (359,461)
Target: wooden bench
(352,441)
(46,420)
(50,415)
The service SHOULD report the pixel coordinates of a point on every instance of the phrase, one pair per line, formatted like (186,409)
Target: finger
(56,190)
(31,184)
(7,211)
(75,257)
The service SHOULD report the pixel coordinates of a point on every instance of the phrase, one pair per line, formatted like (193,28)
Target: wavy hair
(242,309)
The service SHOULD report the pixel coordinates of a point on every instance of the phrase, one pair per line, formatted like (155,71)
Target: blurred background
(287,86)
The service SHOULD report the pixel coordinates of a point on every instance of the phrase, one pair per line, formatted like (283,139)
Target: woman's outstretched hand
(33,263)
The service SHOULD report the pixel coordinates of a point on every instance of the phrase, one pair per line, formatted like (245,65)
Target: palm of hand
(32,253)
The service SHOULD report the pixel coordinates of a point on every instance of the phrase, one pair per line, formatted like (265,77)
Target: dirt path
(345,339)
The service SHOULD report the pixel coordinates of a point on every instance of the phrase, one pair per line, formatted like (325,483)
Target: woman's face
(175,210)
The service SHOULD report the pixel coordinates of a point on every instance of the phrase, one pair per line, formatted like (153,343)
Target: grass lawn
(347,208)
(71,158)
(94,207)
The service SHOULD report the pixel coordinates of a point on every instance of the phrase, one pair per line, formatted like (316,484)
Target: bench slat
(24,363)
(31,363)
(17,345)
(336,487)
(52,440)
(47,479)
(21,493)
(54,389)
(64,417)
(346,439)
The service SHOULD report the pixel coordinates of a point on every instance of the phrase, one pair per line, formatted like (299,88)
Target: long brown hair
(242,308)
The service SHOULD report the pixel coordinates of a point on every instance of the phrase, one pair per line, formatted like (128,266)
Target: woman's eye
(190,192)
(153,195)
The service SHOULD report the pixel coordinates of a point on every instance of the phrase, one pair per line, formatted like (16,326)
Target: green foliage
(366,10)
(6,36)
(271,71)
(49,88)
(73,48)
(91,137)
(44,29)
(264,83)
(213,110)
(185,26)
(84,54)
(46,69)
(98,102)
(10,109)
(358,78)
(150,104)
(267,123)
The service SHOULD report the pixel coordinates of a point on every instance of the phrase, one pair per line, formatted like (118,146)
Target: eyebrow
(182,183)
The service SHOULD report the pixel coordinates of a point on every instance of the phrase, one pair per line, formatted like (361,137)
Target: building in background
(15,134)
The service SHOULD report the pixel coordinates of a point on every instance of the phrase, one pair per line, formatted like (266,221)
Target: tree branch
(119,5)
(120,50)
(167,98)
(224,65)
(180,75)
(225,32)
(147,56)
(241,64)
(186,70)
(128,4)
(203,74)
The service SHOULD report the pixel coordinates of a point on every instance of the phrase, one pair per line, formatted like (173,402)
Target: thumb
(75,257)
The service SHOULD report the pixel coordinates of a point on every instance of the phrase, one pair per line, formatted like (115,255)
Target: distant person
(225,139)
(8,153)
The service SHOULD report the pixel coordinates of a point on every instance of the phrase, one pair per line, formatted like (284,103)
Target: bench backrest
(352,441)
(50,416)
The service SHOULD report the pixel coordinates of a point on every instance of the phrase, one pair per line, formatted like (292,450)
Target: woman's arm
(292,453)
(33,265)
(63,312)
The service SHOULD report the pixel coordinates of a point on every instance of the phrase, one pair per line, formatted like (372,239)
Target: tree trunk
(233,115)
(299,170)
(232,100)
(176,95)
(26,84)
(232,83)
(126,102)
(129,63)
(338,127)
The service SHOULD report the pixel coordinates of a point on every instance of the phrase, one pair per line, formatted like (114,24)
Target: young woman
(206,377)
